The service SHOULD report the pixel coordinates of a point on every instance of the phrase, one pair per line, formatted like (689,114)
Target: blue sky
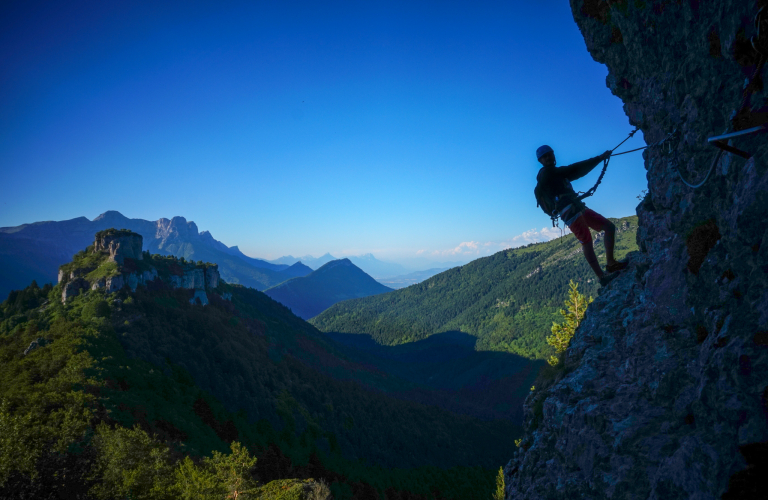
(403,129)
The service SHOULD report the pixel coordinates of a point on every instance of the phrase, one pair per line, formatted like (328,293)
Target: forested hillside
(124,394)
(508,300)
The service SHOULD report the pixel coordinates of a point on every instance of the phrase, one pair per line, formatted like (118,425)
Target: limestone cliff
(664,392)
(115,260)
(120,244)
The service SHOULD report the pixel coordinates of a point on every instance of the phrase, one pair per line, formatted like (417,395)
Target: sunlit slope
(508,300)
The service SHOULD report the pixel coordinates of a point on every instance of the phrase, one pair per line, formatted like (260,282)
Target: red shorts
(588,219)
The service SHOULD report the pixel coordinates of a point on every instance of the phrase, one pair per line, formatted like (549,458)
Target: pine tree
(499,493)
(193,482)
(563,333)
(233,471)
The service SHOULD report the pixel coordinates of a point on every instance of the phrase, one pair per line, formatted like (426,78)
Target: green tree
(19,446)
(132,464)
(499,493)
(562,333)
(233,471)
(193,482)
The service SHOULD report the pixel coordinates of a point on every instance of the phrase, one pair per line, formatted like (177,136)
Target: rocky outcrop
(120,244)
(39,342)
(73,288)
(132,280)
(664,393)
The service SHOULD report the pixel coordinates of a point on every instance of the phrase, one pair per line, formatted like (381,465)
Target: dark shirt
(557,181)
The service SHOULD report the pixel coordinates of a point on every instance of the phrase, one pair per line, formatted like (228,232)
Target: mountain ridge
(35,251)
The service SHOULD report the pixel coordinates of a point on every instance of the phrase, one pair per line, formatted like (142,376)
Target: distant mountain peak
(336,263)
(335,281)
(178,226)
(110,215)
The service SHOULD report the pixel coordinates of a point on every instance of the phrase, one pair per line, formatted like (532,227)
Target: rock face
(73,288)
(665,388)
(212,277)
(120,244)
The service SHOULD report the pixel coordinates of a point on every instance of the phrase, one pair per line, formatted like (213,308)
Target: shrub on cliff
(499,493)
(562,333)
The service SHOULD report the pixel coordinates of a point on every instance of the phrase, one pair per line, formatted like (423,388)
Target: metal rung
(721,141)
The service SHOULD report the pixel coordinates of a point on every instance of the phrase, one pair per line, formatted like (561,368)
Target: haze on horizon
(406,131)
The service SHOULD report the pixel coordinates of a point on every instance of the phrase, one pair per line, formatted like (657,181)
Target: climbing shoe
(607,278)
(616,266)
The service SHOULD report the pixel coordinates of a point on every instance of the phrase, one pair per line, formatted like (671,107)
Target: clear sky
(403,129)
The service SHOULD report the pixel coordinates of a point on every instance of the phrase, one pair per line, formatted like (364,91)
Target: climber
(556,197)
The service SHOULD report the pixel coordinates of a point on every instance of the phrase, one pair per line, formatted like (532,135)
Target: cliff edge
(664,391)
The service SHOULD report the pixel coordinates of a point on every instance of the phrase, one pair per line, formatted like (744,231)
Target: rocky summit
(664,389)
(115,260)
(119,244)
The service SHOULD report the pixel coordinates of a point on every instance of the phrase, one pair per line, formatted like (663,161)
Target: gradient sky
(404,129)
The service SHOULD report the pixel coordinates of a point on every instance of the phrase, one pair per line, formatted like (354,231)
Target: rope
(592,190)
(679,173)
(625,140)
(657,143)
(711,167)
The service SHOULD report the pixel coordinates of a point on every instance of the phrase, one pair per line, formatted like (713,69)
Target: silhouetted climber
(557,198)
